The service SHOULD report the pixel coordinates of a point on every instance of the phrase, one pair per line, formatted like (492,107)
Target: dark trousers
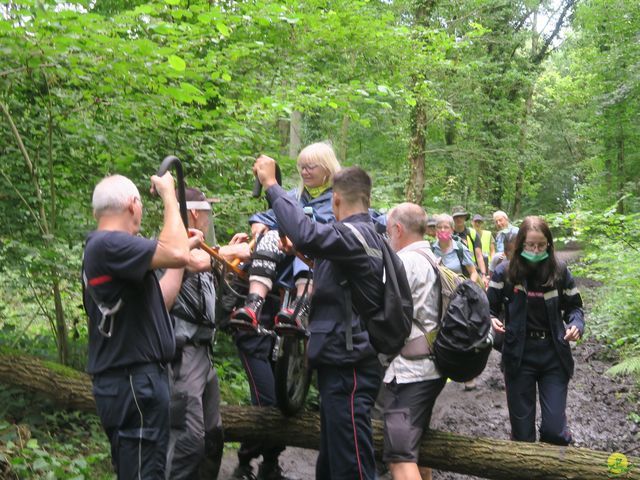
(255,354)
(540,368)
(195,446)
(347,395)
(133,405)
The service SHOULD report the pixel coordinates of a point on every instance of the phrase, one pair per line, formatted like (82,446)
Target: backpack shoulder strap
(438,279)
(372,252)
(460,254)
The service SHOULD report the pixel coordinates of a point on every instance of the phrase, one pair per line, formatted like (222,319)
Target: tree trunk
(344,139)
(414,190)
(295,134)
(522,142)
(283,134)
(489,458)
(62,339)
(620,171)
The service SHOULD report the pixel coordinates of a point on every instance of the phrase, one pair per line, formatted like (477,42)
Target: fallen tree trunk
(484,457)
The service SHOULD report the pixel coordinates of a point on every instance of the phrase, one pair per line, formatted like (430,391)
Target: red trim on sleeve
(100,280)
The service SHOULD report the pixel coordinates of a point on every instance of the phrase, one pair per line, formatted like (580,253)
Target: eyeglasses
(308,167)
(535,245)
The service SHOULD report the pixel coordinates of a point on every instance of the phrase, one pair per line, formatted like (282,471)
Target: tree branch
(24,200)
(566,10)
(44,227)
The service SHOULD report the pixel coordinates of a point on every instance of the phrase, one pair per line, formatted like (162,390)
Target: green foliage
(56,444)
(630,366)
(612,246)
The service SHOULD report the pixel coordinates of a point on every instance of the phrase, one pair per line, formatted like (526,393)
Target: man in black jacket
(349,373)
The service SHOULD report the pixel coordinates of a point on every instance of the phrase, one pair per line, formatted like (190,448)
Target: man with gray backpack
(412,382)
(450,337)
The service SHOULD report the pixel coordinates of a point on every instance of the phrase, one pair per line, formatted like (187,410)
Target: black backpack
(464,342)
(390,325)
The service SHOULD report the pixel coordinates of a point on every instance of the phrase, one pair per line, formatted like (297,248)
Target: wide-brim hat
(478,218)
(460,212)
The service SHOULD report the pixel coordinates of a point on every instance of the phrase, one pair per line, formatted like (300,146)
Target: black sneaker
(271,471)
(246,318)
(288,322)
(243,472)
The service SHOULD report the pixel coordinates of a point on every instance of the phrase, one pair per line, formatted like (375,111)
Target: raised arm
(173,247)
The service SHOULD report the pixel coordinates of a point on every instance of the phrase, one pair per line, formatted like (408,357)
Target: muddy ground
(599,409)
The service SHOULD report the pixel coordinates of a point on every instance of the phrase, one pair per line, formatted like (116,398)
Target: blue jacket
(338,255)
(322,211)
(564,309)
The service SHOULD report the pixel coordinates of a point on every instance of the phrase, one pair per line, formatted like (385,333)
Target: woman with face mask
(543,313)
(454,255)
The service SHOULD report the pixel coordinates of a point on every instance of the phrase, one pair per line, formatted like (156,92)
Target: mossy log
(483,457)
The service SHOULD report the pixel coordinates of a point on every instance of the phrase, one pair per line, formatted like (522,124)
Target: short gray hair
(113,194)
(411,216)
(445,218)
(500,214)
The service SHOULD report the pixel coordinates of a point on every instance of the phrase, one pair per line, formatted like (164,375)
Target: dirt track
(598,409)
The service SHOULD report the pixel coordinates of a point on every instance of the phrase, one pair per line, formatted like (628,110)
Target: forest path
(598,409)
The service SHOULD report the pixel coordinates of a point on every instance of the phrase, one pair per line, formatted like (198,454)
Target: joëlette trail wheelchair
(289,352)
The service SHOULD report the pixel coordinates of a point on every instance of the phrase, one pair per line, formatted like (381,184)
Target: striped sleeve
(495,292)
(571,303)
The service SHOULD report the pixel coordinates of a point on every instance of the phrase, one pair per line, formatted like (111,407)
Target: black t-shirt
(537,318)
(118,266)
(464,237)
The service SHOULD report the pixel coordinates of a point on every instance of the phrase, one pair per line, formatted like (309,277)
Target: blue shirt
(451,259)
(502,234)
(117,264)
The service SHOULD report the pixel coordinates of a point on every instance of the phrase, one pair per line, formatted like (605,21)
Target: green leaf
(223,29)
(40,464)
(177,63)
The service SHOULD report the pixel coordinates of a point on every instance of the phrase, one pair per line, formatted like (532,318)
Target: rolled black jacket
(564,309)
(338,255)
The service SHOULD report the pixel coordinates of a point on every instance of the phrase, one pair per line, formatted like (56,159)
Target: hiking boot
(243,472)
(271,471)
(288,322)
(246,318)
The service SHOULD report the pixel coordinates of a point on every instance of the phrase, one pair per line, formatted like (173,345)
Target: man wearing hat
(470,239)
(196,439)
(431,229)
(487,242)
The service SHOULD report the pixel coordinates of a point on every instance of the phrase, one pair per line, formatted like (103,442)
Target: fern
(630,366)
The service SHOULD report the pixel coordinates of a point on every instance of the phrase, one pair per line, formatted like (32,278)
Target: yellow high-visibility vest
(485,242)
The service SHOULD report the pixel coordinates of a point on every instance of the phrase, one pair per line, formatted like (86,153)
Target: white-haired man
(131,337)
(411,381)
(503,228)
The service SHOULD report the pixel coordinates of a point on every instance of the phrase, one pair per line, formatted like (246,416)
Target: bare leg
(405,471)
(425,472)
